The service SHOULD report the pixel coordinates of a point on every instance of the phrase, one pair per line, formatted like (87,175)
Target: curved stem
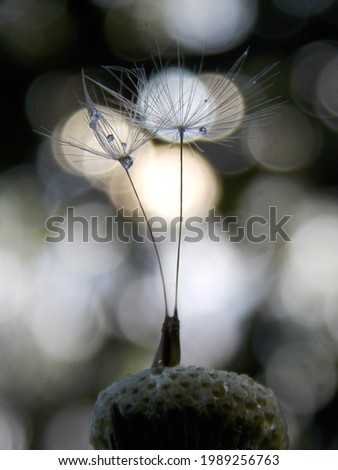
(154,244)
(181,132)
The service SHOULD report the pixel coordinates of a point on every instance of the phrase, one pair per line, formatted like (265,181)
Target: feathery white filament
(173,100)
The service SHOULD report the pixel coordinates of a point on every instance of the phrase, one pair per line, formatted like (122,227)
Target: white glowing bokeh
(171,99)
(303,377)
(156,179)
(289,142)
(77,160)
(311,253)
(213,26)
(307,284)
(90,159)
(160,185)
(13,432)
(218,288)
(267,190)
(90,244)
(65,318)
(273,198)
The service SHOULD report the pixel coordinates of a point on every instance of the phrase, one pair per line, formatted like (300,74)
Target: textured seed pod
(187,408)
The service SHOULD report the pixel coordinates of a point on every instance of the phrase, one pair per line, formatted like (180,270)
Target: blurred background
(76,316)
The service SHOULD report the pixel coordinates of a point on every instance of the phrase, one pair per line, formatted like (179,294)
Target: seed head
(187,408)
(178,104)
(115,126)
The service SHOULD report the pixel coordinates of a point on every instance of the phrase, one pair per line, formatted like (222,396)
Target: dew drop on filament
(110,138)
(94,116)
(126,162)
(203,130)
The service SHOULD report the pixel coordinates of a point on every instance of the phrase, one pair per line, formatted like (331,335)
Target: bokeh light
(309,271)
(216,302)
(79,160)
(72,328)
(156,178)
(216,26)
(266,192)
(290,142)
(196,26)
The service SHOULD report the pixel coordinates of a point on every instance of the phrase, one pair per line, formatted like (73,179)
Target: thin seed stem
(181,133)
(166,315)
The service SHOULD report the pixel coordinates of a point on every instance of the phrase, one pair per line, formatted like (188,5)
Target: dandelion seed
(183,107)
(194,105)
(173,100)
(119,135)
(179,106)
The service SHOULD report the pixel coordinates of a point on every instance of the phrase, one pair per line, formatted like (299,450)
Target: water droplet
(124,145)
(94,115)
(126,162)
(110,138)
(93,125)
(203,130)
